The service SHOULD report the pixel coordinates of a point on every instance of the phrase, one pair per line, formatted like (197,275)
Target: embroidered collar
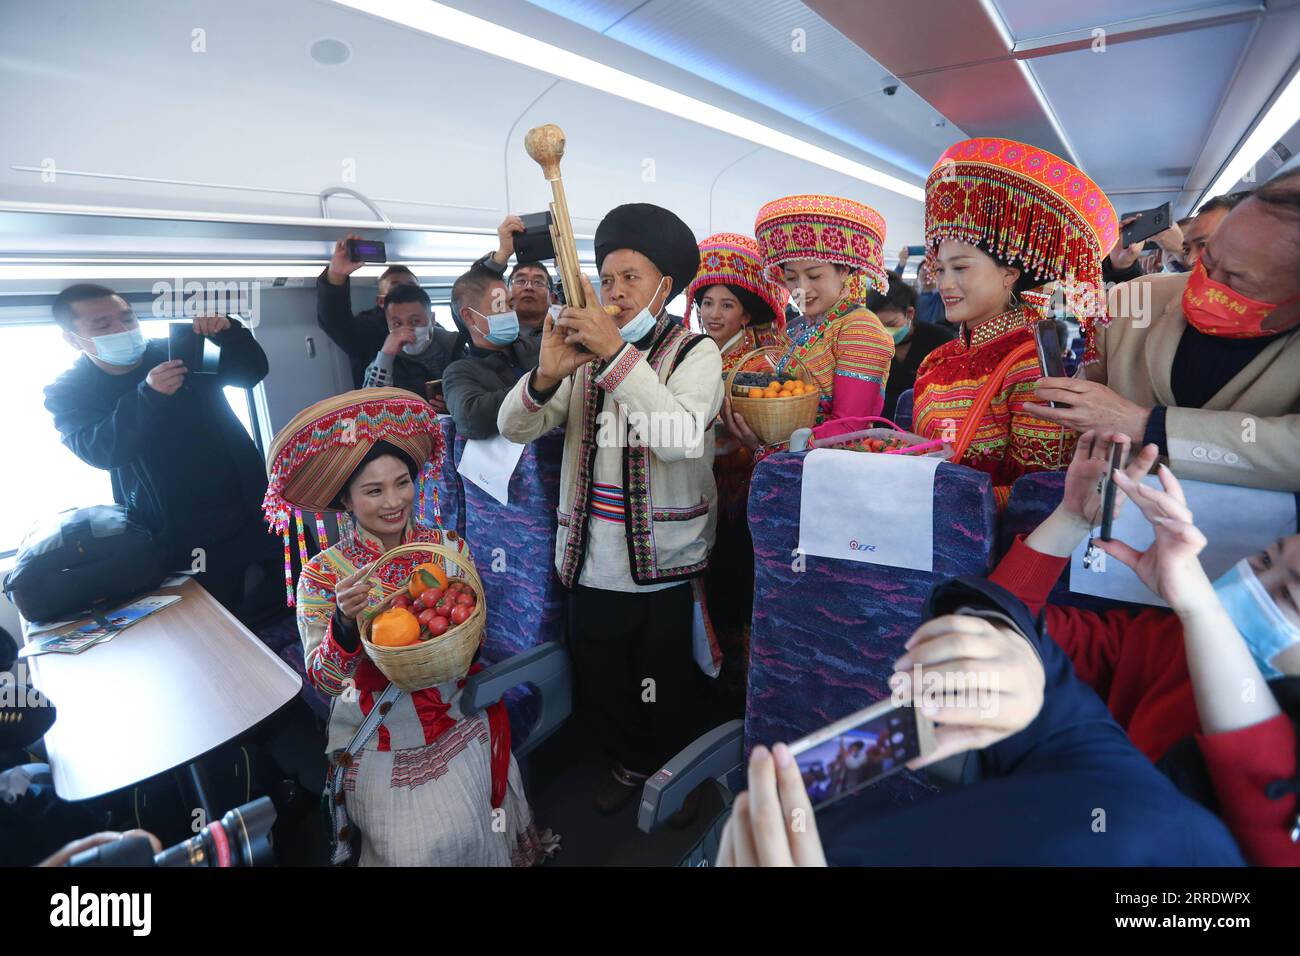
(362,547)
(995,328)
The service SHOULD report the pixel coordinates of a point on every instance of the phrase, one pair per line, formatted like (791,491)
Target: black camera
(241,838)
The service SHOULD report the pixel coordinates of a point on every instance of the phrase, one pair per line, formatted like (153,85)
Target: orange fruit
(428,575)
(755,393)
(396,627)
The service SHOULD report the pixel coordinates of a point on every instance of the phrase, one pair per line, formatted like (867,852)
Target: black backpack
(84,560)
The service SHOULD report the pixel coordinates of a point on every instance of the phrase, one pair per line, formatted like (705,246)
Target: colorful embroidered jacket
(637,496)
(349,676)
(848,353)
(1008,442)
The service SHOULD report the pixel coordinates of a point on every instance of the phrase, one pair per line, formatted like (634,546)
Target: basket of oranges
(773,403)
(427,632)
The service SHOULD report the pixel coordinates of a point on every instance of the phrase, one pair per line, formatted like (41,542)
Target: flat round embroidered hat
(730,259)
(1029,208)
(314,455)
(829,228)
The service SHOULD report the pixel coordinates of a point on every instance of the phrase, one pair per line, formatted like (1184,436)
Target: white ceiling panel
(1130,135)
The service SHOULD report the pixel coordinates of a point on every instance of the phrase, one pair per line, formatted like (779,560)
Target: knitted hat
(656,233)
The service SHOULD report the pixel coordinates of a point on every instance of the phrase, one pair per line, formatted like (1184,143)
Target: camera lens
(240,838)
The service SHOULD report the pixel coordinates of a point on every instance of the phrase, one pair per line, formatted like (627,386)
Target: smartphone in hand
(864,747)
(200,355)
(1108,491)
(366,250)
(1050,361)
(1149,222)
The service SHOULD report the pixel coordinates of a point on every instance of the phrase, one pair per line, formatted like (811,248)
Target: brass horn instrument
(545,144)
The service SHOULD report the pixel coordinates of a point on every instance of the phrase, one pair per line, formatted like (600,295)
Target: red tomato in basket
(427,615)
(465,597)
(430,596)
(402,600)
(438,625)
(460,613)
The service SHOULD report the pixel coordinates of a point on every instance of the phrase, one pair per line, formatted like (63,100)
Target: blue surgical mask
(900,333)
(422,335)
(503,327)
(643,322)
(1261,622)
(119,348)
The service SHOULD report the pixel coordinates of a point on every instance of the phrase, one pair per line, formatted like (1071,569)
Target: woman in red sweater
(1187,671)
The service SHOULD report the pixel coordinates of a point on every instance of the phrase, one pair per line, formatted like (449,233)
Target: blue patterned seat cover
(824,640)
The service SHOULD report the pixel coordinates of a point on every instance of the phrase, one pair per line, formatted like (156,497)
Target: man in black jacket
(364,336)
(180,461)
(503,349)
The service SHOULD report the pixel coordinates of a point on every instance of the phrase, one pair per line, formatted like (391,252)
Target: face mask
(1213,308)
(901,332)
(1261,622)
(502,327)
(422,335)
(643,322)
(119,348)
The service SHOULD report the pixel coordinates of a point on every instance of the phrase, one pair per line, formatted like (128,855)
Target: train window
(42,477)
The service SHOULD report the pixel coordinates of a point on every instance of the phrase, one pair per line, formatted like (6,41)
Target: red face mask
(1213,308)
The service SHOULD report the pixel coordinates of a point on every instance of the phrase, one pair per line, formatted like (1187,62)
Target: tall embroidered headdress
(830,228)
(1028,208)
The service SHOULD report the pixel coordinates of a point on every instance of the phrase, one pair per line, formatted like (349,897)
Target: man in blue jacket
(1048,777)
(181,462)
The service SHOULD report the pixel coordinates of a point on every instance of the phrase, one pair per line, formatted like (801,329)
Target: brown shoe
(617,789)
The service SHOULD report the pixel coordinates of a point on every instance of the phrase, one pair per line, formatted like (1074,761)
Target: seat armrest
(546,668)
(713,756)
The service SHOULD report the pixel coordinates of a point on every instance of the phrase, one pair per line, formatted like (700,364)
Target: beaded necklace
(809,337)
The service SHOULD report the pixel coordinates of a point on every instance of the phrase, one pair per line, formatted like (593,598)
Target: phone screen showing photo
(859,756)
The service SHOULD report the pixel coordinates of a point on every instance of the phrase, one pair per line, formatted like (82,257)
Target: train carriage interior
(603,433)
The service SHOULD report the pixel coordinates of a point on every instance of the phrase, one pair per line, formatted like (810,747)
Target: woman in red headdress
(1003,219)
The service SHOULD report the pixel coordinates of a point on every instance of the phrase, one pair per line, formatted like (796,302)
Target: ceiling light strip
(458,27)
(1278,118)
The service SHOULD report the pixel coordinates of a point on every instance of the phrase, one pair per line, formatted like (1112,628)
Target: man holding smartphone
(364,335)
(181,462)
(1203,364)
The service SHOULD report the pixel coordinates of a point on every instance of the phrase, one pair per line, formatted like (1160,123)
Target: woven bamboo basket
(438,659)
(773,419)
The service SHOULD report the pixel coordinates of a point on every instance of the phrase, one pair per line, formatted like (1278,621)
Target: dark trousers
(620,640)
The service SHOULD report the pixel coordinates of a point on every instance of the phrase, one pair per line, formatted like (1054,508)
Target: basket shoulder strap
(338,811)
(984,397)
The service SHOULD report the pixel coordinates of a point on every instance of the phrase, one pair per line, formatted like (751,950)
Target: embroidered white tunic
(637,445)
